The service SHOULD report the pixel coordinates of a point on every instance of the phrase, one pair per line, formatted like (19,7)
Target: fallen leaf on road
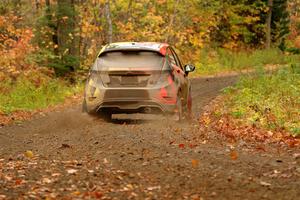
(261,148)
(195,163)
(18,182)
(8,178)
(76,193)
(130,186)
(105,161)
(98,195)
(233,155)
(177,130)
(296,155)
(46,180)
(71,171)
(195,197)
(95,194)
(171,142)
(28,154)
(153,188)
(64,146)
(265,183)
(55,174)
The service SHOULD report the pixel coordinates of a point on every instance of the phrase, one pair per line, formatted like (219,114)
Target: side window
(176,58)
(170,57)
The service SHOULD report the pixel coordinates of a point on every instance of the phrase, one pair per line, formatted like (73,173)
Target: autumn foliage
(66,35)
(15,46)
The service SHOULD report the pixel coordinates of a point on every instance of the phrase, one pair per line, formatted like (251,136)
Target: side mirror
(189,68)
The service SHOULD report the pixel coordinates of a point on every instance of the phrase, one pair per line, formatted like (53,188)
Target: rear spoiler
(104,50)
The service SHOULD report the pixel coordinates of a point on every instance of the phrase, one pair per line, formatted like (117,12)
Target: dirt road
(76,156)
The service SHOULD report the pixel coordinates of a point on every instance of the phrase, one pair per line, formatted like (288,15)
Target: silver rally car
(135,77)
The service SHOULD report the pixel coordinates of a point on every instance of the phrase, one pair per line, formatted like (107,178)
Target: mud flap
(84,107)
(178,116)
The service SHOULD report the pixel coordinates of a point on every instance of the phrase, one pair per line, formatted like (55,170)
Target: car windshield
(135,60)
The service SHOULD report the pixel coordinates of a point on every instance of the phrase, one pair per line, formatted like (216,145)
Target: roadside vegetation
(221,60)
(28,94)
(264,100)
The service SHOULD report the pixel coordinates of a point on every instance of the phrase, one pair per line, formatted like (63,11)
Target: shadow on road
(136,118)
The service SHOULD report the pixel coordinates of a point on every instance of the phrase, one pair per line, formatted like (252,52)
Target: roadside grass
(270,100)
(213,61)
(28,94)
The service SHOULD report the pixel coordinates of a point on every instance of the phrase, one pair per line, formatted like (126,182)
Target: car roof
(129,46)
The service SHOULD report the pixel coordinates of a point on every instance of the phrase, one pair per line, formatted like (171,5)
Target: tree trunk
(47,6)
(51,25)
(268,24)
(66,35)
(172,19)
(37,4)
(109,22)
(128,13)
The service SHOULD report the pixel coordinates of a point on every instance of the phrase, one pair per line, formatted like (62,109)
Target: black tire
(187,109)
(179,109)
(105,115)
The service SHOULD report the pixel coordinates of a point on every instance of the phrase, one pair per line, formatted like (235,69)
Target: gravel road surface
(71,155)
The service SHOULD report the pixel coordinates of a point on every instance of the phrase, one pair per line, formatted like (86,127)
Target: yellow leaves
(205,119)
(251,19)
(28,154)
(99,1)
(161,2)
(153,20)
(87,29)
(197,40)
(230,45)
